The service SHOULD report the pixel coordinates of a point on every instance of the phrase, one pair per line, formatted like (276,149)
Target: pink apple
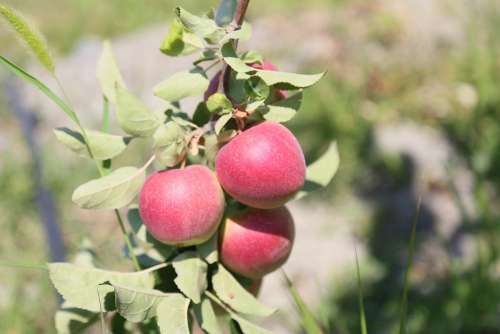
(182,206)
(262,167)
(257,242)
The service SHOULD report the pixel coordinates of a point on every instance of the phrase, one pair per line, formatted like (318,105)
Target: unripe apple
(257,242)
(279,94)
(262,167)
(182,207)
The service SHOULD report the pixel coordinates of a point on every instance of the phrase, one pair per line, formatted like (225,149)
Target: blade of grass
(19,72)
(308,321)
(362,316)
(411,248)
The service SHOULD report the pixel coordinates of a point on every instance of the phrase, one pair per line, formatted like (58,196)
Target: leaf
(201,115)
(30,35)
(251,57)
(221,122)
(72,320)
(219,103)
(232,59)
(271,78)
(180,42)
(237,297)
(181,85)
(209,249)
(133,116)
(249,328)
(307,320)
(191,275)
(112,191)
(244,33)
(137,304)
(18,71)
(172,315)
(169,143)
(321,172)
(282,111)
(78,285)
(104,146)
(206,317)
(256,88)
(200,26)
(225,12)
(292,79)
(108,73)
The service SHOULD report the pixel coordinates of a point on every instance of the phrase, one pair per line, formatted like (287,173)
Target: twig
(238,19)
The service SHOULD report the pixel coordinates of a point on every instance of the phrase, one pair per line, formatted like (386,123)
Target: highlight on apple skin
(256,242)
(262,167)
(182,207)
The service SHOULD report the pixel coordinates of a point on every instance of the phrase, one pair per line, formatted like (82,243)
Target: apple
(182,207)
(262,167)
(256,242)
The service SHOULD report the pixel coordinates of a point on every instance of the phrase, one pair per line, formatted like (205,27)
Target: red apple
(182,207)
(265,65)
(257,242)
(262,167)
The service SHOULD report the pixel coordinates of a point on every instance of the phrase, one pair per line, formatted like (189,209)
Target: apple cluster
(261,169)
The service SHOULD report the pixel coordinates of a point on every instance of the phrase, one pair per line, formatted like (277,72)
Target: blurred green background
(385,66)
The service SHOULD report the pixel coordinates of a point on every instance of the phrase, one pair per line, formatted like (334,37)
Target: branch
(238,19)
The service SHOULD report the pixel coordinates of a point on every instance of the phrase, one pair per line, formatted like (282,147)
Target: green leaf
(172,315)
(307,320)
(271,78)
(282,111)
(221,122)
(321,172)
(108,73)
(191,275)
(179,42)
(78,285)
(237,297)
(290,79)
(201,115)
(206,317)
(18,71)
(249,328)
(200,26)
(138,304)
(243,34)
(219,103)
(232,59)
(30,35)
(225,12)
(209,250)
(112,191)
(104,146)
(182,85)
(169,144)
(256,88)
(133,116)
(251,57)
(72,320)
